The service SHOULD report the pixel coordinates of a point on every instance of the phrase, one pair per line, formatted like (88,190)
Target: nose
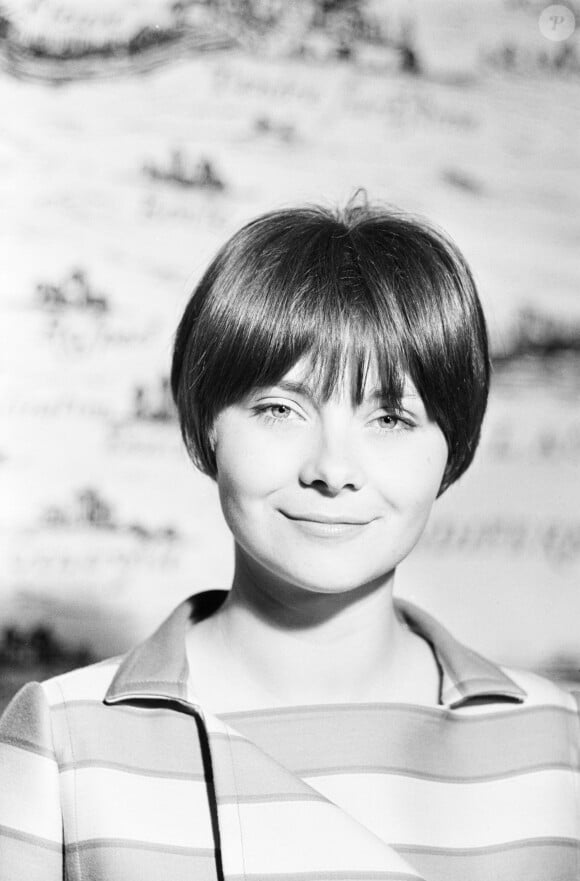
(332,463)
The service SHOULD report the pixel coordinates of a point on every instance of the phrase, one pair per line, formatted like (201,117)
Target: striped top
(116,773)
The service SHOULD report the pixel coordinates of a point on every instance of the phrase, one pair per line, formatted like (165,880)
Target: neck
(296,646)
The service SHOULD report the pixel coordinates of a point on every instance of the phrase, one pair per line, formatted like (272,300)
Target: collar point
(464,694)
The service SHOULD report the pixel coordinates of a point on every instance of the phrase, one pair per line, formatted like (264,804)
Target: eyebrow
(301,388)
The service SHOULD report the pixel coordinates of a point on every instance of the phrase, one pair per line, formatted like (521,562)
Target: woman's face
(331,496)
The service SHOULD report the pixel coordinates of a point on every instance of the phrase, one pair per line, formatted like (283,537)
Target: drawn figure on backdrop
(74,292)
(202,175)
(331,374)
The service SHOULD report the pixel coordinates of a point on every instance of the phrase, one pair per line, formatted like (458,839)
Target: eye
(389,422)
(279,411)
(274,412)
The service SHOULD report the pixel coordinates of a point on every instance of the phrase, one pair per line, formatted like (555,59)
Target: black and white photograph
(290,440)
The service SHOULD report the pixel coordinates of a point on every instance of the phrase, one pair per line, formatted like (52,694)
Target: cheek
(415,478)
(248,470)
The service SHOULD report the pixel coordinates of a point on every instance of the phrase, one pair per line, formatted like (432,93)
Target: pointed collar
(465,674)
(158,668)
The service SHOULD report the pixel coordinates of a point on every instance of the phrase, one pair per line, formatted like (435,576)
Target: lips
(342,520)
(317,526)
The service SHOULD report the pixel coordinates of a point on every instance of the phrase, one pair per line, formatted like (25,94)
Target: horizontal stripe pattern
(135,861)
(28,857)
(323,740)
(29,795)
(536,860)
(34,841)
(165,811)
(517,817)
(301,739)
(328,875)
(144,785)
(308,838)
(102,733)
(471,815)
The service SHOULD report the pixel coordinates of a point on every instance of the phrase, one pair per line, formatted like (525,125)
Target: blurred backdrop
(136,135)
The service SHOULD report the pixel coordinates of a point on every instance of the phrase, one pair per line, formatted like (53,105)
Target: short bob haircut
(366,285)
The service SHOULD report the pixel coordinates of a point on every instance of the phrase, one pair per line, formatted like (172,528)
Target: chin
(328,580)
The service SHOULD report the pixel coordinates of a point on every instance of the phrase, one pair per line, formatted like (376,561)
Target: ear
(212,438)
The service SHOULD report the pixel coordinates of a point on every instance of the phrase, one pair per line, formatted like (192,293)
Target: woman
(331,375)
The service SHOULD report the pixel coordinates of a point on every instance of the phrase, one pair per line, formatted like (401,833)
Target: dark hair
(374,281)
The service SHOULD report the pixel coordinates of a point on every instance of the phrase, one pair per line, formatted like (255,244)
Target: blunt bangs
(347,290)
